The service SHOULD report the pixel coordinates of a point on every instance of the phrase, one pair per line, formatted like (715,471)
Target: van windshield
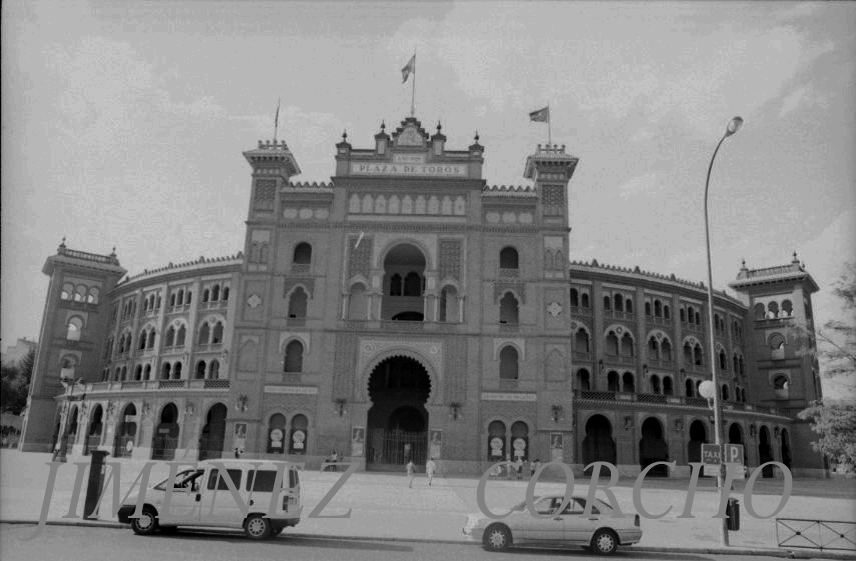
(182,479)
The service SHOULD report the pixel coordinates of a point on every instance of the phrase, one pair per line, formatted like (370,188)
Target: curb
(781,553)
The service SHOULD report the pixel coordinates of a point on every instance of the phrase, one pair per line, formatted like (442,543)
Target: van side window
(233,474)
(261,481)
(293,479)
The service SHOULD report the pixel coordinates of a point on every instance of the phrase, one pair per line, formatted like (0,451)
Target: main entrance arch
(213,433)
(397,421)
(653,448)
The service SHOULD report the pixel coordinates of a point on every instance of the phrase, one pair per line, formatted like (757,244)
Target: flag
(409,68)
(540,116)
(276,118)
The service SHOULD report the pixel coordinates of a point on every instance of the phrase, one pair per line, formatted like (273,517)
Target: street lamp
(63,442)
(733,126)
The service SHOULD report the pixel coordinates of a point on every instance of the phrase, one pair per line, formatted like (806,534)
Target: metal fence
(816,534)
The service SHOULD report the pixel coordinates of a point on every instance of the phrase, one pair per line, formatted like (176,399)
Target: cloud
(639,185)
(804,96)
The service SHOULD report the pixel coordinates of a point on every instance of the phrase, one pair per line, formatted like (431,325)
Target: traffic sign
(711,457)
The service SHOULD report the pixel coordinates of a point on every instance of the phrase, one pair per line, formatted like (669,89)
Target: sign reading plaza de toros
(409,164)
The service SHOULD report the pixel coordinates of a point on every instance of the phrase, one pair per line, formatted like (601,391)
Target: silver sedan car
(601,533)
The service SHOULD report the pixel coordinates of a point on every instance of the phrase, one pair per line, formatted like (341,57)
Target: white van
(201,498)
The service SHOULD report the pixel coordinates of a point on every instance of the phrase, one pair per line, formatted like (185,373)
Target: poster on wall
(519,445)
(298,441)
(435,440)
(556,447)
(276,436)
(358,440)
(496,447)
(240,437)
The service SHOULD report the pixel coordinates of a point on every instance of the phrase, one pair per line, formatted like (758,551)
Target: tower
(74,326)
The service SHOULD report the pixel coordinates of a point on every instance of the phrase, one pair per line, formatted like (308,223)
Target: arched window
(150,344)
(787,309)
(508,309)
(276,434)
(205,295)
(172,300)
(215,293)
(217,334)
(760,311)
(204,334)
(584,379)
(683,315)
(653,349)
(293,357)
(647,308)
(147,372)
(67,291)
(170,336)
(619,303)
(612,383)
(698,357)
(180,298)
(93,295)
(413,284)
(772,310)
(214,370)
(667,386)
(688,353)
(508,363)
(658,308)
(74,329)
(723,360)
(780,383)
(225,296)
(299,435)
(585,300)
(607,303)
(80,293)
(666,312)
(581,341)
(496,438)
(508,258)
(449,311)
(666,350)
(187,297)
(165,371)
(181,336)
(725,393)
(575,297)
(777,341)
(627,345)
(655,384)
(611,343)
(689,387)
(142,341)
(176,371)
(628,384)
(395,285)
(302,254)
(628,306)
(200,370)
(297,303)
(735,364)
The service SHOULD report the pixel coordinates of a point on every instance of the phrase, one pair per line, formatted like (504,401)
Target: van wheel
(604,542)
(146,523)
(257,527)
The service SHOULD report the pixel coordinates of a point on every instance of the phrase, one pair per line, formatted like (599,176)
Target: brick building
(408,309)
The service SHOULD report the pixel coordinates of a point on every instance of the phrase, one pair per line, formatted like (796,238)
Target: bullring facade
(408,309)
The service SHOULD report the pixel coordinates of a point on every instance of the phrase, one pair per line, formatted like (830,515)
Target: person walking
(429,469)
(410,473)
(518,467)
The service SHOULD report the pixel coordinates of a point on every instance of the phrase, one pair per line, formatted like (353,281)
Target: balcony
(509,273)
(148,385)
(660,321)
(580,311)
(300,268)
(582,355)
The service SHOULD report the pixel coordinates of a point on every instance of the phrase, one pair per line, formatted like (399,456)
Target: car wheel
(604,542)
(146,523)
(257,527)
(497,537)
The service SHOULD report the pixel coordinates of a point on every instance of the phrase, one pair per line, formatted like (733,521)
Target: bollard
(732,511)
(93,486)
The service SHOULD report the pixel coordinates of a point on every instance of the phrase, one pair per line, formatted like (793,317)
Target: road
(96,544)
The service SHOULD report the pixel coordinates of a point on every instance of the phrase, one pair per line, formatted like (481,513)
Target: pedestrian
(518,467)
(334,457)
(537,464)
(532,469)
(410,473)
(429,469)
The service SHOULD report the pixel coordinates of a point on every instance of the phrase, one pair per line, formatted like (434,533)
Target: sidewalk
(383,507)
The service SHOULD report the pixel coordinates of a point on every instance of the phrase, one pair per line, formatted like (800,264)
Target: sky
(123,123)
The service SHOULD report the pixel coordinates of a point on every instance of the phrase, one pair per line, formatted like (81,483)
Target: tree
(15,384)
(834,421)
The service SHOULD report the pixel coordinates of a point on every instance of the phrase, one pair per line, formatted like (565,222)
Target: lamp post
(63,441)
(733,126)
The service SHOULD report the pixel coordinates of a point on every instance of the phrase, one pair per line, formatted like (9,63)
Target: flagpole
(276,121)
(413,92)
(549,131)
